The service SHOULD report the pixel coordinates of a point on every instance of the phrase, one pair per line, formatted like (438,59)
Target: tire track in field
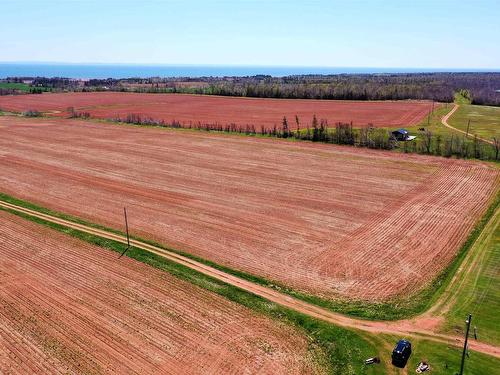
(403,328)
(444,121)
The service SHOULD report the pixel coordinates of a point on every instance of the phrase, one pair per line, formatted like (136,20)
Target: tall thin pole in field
(126,228)
(465,344)
(126,225)
(429,116)
(430,113)
(468,126)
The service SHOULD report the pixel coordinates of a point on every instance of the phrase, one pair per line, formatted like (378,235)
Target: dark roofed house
(402,135)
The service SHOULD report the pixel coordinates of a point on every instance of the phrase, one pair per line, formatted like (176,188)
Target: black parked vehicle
(401,353)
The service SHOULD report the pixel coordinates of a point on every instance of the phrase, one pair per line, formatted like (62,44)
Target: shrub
(32,113)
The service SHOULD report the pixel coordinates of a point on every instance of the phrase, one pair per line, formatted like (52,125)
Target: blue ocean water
(126,71)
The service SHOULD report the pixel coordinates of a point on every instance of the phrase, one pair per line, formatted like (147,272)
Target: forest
(484,87)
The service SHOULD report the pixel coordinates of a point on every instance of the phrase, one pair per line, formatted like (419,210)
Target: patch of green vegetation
(338,350)
(443,359)
(403,307)
(15,86)
(484,121)
(477,288)
(442,133)
(432,122)
(462,97)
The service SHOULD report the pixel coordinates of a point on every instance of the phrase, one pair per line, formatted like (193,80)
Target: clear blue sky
(405,33)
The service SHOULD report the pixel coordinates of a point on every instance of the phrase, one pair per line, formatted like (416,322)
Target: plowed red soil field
(222,110)
(325,219)
(69,307)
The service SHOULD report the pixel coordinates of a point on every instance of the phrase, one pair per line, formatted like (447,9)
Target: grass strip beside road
(339,350)
(401,308)
(477,290)
(335,349)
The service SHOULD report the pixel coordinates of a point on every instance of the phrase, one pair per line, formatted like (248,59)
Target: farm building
(402,135)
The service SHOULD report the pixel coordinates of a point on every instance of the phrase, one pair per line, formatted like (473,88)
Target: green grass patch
(484,120)
(462,97)
(433,123)
(445,359)
(479,293)
(398,308)
(486,129)
(15,86)
(339,350)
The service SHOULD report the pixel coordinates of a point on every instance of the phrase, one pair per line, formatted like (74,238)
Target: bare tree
(427,141)
(496,144)
(438,145)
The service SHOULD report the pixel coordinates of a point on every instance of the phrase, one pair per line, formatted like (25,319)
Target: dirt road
(319,219)
(68,307)
(444,121)
(405,327)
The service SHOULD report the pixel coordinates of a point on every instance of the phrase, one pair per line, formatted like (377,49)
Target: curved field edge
(333,349)
(347,347)
(393,309)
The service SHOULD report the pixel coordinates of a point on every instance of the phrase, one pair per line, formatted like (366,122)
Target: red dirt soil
(69,307)
(329,220)
(223,110)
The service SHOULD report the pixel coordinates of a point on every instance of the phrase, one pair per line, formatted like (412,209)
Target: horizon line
(244,65)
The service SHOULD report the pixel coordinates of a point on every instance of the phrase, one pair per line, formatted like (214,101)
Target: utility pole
(468,126)
(128,237)
(465,344)
(126,225)
(429,116)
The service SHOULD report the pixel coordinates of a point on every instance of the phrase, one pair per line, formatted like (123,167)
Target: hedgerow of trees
(344,134)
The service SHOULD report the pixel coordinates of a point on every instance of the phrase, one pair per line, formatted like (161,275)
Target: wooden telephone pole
(126,228)
(465,344)
(430,113)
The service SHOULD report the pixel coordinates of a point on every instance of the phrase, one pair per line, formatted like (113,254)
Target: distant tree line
(435,86)
(426,143)
(14,91)
(483,87)
(8,91)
